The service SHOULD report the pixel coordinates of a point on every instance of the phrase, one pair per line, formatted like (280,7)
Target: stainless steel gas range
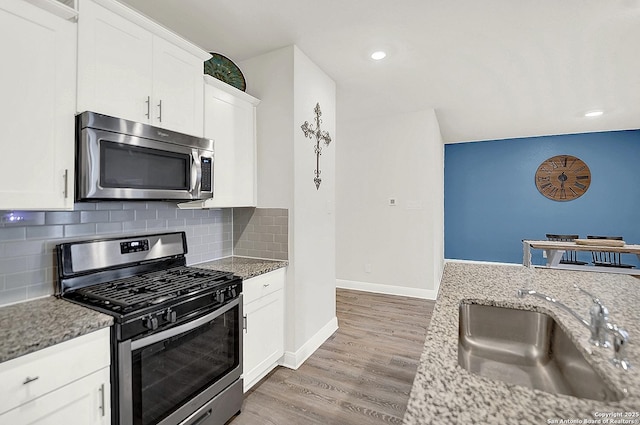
(177,334)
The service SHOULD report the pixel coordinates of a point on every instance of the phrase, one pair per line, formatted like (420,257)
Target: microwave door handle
(196,173)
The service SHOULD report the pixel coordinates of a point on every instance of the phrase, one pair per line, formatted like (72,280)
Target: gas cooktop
(148,289)
(142,281)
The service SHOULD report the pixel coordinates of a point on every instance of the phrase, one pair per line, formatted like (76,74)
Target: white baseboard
(293,360)
(453,260)
(428,294)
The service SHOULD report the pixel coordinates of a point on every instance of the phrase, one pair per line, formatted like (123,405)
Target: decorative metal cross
(321,136)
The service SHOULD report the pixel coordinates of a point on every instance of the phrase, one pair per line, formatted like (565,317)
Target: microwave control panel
(206,174)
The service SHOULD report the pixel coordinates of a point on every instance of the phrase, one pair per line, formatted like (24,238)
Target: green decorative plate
(222,68)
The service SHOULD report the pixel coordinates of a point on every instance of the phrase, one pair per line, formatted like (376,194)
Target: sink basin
(526,348)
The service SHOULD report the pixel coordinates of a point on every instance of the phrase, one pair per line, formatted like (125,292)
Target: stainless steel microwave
(118,159)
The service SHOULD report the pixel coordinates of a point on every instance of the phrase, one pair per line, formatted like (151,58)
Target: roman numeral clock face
(563,178)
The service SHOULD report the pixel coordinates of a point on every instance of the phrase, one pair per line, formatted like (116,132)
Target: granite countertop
(33,325)
(444,393)
(244,267)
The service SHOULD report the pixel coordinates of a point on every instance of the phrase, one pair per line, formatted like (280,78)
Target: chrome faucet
(599,315)
(598,325)
(620,341)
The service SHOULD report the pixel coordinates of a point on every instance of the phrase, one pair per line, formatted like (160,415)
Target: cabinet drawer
(33,375)
(259,286)
(83,402)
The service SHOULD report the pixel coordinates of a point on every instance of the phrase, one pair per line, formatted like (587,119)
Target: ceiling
(491,69)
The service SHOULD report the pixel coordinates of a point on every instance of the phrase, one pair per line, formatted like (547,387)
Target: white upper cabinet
(178,88)
(130,67)
(230,117)
(115,65)
(37,107)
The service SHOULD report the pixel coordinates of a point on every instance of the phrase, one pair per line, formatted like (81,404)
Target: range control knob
(170,316)
(220,297)
(150,322)
(234,291)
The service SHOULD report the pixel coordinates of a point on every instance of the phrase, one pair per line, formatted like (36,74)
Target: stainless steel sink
(526,348)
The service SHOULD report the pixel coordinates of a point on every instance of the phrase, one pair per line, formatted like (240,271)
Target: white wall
(270,78)
(397,157)
(289,85)
(313,213)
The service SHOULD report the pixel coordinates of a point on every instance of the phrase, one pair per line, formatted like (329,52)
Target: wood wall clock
(563,178)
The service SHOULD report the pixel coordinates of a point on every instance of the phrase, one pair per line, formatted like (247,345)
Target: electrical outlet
(367,268)
(392,202)
(544,253)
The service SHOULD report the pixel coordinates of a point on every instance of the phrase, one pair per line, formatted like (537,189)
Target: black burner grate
(154,287)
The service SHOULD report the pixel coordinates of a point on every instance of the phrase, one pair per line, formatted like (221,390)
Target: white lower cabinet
(68,383)
(263,298)
(85,401)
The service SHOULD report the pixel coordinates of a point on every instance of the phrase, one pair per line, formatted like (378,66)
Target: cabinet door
(114,64)
(230,122)
(177,89)
(37,108)
(264,337)
(85,401)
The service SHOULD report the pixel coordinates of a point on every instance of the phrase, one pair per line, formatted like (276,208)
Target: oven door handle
(152,339)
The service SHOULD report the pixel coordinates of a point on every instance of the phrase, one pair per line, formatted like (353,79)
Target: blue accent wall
(491,201)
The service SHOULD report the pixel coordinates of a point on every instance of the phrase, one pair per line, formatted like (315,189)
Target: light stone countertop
(33,325)
(444,393)
(245,267)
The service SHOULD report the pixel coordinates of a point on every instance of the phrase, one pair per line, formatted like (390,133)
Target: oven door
(166,377)
(120,166)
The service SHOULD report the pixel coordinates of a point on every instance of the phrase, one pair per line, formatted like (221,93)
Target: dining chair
(569,257)
(605,258)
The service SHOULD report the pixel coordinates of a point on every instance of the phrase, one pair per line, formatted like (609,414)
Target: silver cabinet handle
(29,379)
(66,183)
(266,284)
(244,323)
(102,406)
(160,110)
(148,102)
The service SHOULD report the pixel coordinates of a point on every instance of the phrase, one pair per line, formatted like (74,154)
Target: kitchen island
(445,393)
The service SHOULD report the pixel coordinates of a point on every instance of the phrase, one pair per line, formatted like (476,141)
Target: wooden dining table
(555,249)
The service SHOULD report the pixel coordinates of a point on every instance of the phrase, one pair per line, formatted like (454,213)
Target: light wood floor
(361,375)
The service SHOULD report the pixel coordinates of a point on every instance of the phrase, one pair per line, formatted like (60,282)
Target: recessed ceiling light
(378,55)
(594,113)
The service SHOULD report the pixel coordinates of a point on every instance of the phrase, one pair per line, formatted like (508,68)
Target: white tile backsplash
(62,217)
(13,233)
(94,216)
(27,248)
(75,230)
(45,232)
